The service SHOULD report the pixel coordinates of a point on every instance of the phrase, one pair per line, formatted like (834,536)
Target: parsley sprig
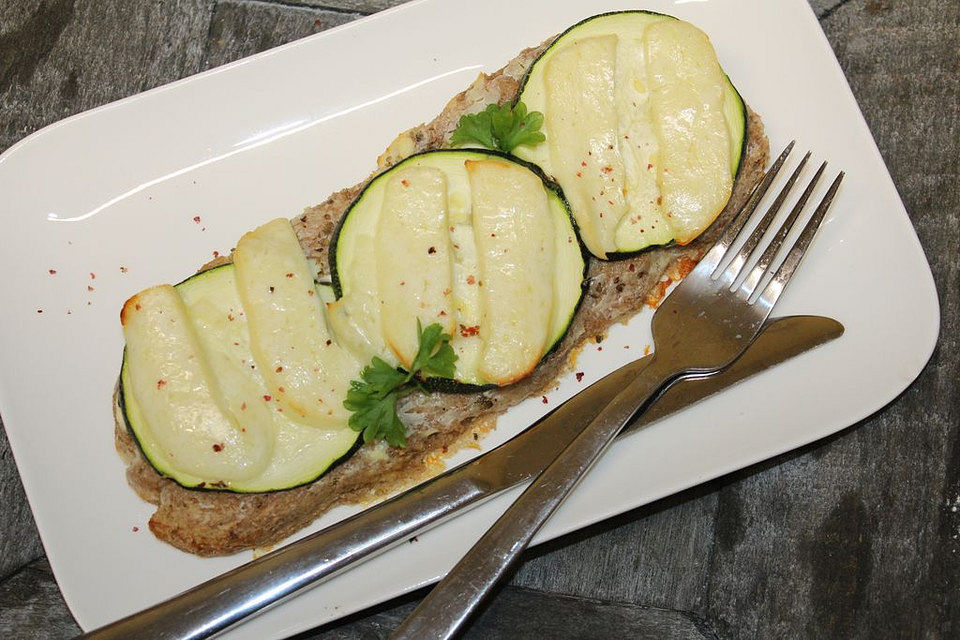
(373,398)
(502,127)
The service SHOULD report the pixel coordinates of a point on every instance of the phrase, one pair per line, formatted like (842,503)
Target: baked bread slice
(211,523)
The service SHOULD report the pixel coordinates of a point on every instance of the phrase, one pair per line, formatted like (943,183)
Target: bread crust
(210,523)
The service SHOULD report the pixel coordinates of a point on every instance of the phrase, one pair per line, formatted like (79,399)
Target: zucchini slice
(243,440)
(514,237)
(416,282)
(644,131)
(305,369)
(475,240)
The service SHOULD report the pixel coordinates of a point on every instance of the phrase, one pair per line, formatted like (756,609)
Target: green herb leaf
(372,400)
(435,355)
(475,128)
(502,127)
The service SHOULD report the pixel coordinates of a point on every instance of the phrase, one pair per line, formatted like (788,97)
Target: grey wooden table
(856,536)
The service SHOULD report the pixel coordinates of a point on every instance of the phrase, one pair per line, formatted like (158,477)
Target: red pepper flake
(136,529)
(659,200)
(432,250)
(471,279)
(137,306)
(289,275)
(403,282)
(626,346)
(631,267)
(52,272)
(467,332)
(317,23)
(217,448)
(267,398)
(544,400)
(243,406)
(236,344)
(599,348)
(278,369)
(89,288)
(216,254)
(230,317)
(93,276)
(582,163)
(309,292)
(405,183)
(442,313)
(579,174)
(579,375)
(608,169)
(196,219)
(329,342)
(124,269)
(493,235)
(161,383)
(281,390)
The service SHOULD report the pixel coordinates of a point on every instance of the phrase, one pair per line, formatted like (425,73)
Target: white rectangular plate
(120,186)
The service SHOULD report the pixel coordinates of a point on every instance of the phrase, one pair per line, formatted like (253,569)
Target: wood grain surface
(856,536)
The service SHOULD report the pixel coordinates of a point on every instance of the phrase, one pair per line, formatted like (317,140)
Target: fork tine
(789,265)
(715,255)
(733,269)
(766,258)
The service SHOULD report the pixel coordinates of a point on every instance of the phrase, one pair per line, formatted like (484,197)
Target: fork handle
(454,599)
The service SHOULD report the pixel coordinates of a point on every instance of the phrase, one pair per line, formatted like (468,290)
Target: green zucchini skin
(746,129)
(449,385)
(123,402)
(615,256)
(618,256)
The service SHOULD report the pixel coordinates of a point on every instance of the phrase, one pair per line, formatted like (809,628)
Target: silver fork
(700,328)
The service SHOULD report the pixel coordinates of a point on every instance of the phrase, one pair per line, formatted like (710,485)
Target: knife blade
(226,600)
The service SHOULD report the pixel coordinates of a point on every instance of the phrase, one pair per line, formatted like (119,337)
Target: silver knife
(224,601)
